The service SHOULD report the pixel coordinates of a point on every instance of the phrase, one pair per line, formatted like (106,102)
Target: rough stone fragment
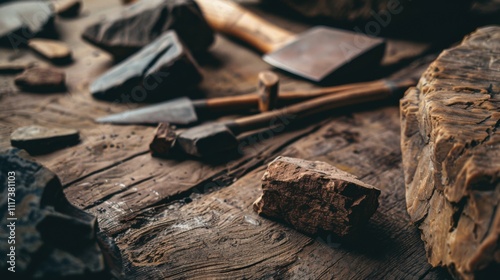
(23,20)
(41,79)
(54,239)
(13,67)
(156,72)
(135,26)
(39,139)
(451,156)
(315,197)
(56,51)
(67,8)
(163,141)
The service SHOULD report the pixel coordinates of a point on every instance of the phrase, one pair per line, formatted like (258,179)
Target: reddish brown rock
(315,197)
(41,79)
(163,140)
(451,156)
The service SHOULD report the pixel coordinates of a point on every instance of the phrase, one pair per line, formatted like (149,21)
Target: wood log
(135,26)
(315,197)
(53,239)
(451,156)
(157,72)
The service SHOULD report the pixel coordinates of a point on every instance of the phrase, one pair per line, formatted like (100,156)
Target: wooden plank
(199,238)
(110,174)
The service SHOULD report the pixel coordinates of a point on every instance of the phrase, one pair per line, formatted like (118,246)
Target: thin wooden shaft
(317,105)
(229,18)
(251,101)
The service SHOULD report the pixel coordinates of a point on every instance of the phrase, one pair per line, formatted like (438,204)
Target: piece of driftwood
(39,139)
(55,51)
(315,197)
(41,79)
(158,71)
(451,156)
(53,239)
(135,26)
(23,20)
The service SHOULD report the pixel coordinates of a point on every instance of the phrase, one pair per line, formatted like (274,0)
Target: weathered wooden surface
(134,196)
(451,155)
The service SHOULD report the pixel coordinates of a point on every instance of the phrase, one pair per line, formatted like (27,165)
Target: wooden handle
(231,19)
(317,105)
(255,100)
(294,96)
(228,104)
(268,90)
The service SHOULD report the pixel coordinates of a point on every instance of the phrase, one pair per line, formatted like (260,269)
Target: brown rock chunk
(157,72)
(163,141)
(67,8)
(135,26)
(13,67)
(315,197)
(38,139)
(41,79)
(451,156)
(56,51)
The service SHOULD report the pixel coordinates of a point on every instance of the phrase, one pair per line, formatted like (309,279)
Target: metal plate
(318,52)
(178,111)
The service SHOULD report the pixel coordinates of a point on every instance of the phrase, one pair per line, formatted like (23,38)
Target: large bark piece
(135,26)
(451,156)
(315,197)
(53,239)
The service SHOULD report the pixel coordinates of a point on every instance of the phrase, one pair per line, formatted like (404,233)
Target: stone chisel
(314,55)
(184,111)
(214,138)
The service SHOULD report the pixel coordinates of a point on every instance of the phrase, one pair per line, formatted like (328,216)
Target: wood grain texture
(219,235)
(451,156)
(111,175)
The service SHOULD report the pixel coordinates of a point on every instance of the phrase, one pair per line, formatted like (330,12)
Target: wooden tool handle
(229,18)
(318,105)
(268,90)
(227,104)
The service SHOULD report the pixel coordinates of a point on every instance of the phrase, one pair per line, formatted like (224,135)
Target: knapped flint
(159,71)
(451,156)
(53,239)
(315,197)
(125,32)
